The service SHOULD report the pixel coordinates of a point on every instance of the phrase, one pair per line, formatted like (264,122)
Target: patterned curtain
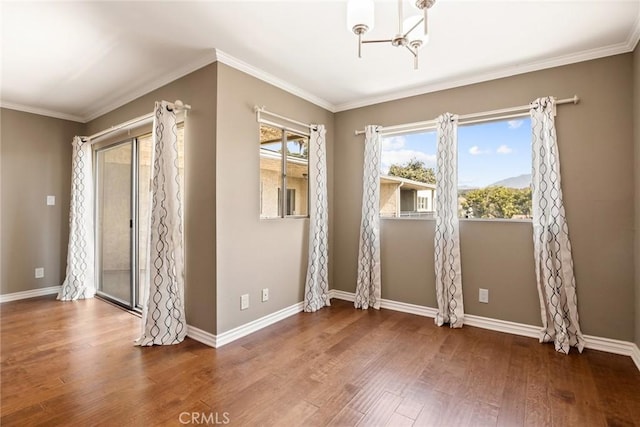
(80,280)
(447,235)
(368,285)
(316,290)
(552,248)
(163,316)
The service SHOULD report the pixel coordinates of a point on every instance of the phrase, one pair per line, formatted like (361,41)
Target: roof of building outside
(407,183)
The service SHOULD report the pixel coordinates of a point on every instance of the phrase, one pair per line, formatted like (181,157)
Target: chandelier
(411,34)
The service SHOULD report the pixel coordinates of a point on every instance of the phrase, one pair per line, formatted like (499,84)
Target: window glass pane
(407,175)
(494,169)
(297,171)
(270,172)
(113,225)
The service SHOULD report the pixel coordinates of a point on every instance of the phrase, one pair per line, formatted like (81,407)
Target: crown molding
(558,61)
(272,80)
(634,34)
(189,68)
(217,55)
(41,112)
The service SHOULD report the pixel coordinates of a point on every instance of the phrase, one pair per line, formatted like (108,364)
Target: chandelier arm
(414,27)
(413,52)
(415,56)
(377,41)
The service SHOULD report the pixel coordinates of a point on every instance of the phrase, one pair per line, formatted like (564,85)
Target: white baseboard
(217,341)
(256,325)
(199,335)
(635,355)
(338,294)
(498,325)
(608,345)
(15,296)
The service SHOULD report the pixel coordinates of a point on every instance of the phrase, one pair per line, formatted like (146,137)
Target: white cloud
(504,149)
(393,143)
(399,157)
(514,124)
(475,151)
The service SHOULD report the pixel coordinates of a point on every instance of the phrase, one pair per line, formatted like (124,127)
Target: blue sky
(487,152)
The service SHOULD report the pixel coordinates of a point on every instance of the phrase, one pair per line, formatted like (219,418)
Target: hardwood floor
(75,364)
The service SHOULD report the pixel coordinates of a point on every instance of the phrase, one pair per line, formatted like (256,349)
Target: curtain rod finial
(575,99)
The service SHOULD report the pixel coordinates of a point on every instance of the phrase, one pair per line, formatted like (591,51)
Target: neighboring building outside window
(289,171)
(407,175)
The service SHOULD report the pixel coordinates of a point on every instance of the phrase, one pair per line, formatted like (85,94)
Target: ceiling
(78,60)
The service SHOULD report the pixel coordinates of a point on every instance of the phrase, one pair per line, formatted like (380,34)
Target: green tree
(497,202)
(415,170)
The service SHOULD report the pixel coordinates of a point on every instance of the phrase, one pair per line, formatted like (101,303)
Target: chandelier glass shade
(412,32)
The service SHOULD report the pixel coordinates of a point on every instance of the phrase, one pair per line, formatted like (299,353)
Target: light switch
(51,200)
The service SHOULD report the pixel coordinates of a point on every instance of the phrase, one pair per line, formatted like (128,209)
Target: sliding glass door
(123,205)
(115,222)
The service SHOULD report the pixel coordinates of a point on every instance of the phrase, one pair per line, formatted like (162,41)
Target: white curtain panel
(552,248)
(316,290)
(163,316)
(368,288)
(447,234)
(80,279)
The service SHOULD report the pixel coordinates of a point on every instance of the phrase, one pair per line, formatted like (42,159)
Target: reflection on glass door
(144,212)
(114,221)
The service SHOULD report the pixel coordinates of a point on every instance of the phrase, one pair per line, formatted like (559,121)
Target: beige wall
(199,90)
(36,162)
(596,146)
(253,253)
(636,127)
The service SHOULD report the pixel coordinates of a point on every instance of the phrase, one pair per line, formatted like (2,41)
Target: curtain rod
(263,110)
(468,118)
(177,105)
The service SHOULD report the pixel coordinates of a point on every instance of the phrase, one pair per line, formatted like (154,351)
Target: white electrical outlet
(265,294)
(39,273)
(483,295)
(244,301)
(51,200)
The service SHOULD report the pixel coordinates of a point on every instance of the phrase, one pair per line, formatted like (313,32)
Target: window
(284,164)
(494,169)
(423,204)
(407,175)
(494,172)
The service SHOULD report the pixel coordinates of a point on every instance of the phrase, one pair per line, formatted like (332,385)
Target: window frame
(283,188)
(462,123)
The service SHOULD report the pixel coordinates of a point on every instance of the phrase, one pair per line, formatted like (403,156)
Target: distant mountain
(466,187)
(521,181)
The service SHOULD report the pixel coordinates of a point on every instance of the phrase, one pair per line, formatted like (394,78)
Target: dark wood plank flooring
(75,364)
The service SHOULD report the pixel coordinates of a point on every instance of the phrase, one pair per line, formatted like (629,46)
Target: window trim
(282,201)
(430,127)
